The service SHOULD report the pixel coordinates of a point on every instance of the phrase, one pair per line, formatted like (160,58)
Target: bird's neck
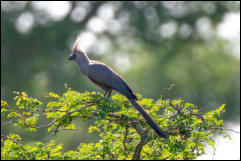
(83,64)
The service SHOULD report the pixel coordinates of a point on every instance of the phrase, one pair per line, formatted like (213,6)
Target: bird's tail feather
(149,120)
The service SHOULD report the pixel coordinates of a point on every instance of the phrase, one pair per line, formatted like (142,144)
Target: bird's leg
(105,93)
(109,93)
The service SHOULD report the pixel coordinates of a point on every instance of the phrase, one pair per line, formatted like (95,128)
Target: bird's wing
(103,75)
(100,74)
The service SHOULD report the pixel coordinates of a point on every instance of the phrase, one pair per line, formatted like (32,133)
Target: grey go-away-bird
(107,79)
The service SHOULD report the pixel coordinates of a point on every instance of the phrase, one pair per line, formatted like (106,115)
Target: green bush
(123,131)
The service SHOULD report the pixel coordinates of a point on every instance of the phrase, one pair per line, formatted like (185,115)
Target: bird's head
(77,53)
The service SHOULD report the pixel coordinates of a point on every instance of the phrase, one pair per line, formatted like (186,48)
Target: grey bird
(107,79)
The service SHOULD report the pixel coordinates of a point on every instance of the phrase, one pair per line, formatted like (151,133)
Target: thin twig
(232,130)
(124,141)
(226,129)
(9,122)
(51,110)
(214,152)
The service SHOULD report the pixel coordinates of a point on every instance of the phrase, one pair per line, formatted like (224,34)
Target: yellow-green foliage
(188,128)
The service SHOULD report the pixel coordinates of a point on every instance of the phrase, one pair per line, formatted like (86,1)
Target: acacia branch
(144,140)
(55,110)
(8,138)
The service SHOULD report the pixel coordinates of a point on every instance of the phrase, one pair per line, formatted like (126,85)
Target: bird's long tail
(149,120)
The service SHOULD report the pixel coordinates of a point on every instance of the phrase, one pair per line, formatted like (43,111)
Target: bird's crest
(77,45)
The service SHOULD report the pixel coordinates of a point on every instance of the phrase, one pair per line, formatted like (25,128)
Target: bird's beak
(71,57)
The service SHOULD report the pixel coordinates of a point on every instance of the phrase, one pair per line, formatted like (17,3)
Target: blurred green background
(151,44)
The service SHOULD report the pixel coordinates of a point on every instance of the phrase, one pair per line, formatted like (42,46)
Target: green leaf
(3,111)
(4,103)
